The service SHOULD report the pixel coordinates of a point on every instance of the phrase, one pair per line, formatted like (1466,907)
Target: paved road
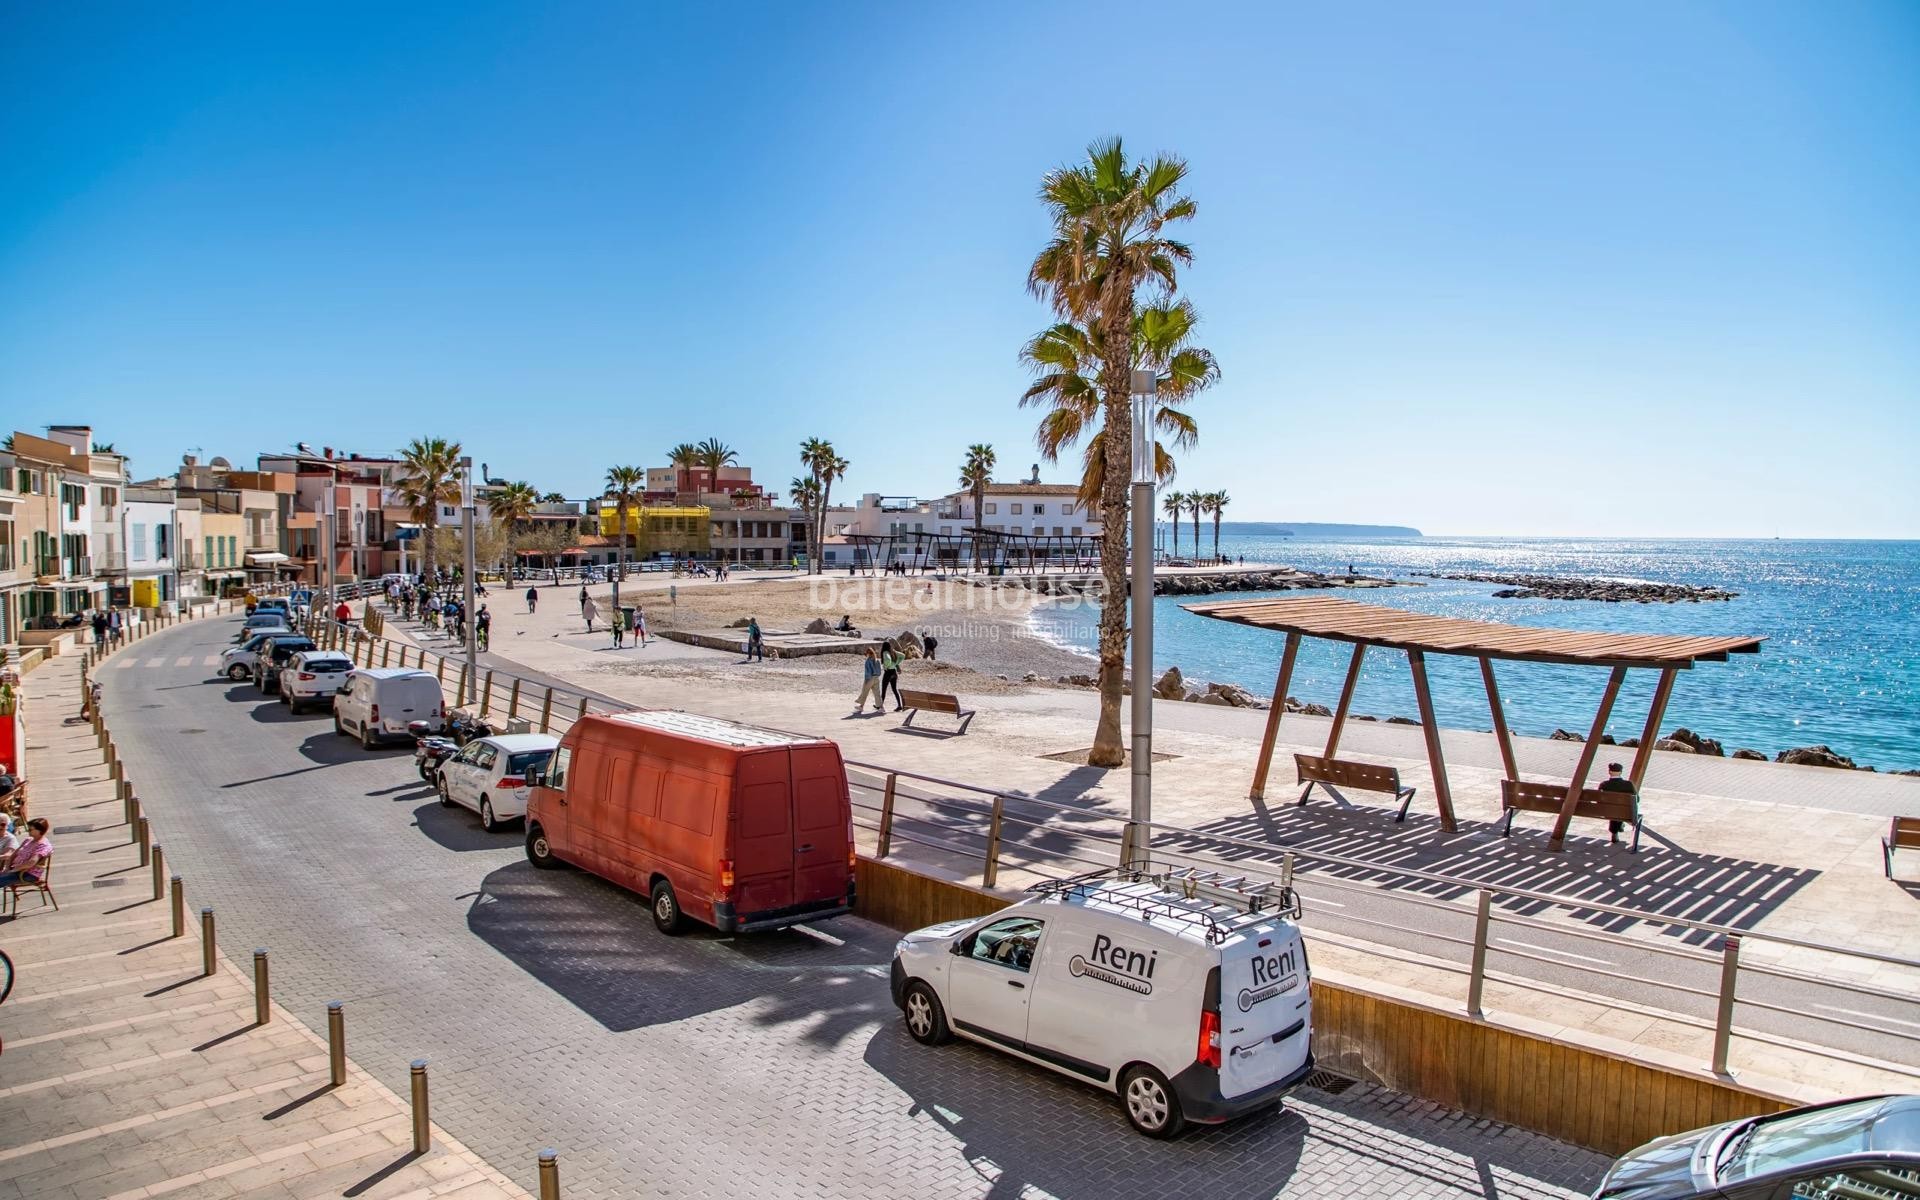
(553,1014)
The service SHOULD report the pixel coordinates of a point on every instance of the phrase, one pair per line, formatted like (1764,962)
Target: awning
(268,556)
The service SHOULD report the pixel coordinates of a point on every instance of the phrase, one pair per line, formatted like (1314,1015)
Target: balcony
(77,566)
(110,562)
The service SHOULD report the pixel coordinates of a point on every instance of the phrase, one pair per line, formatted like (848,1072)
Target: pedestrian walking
(618,619)
(639,626)
(869,684)
(483,628)
(588,609)
(1616,781)
(890,660)
(99,628)
(113,626)
(583,598)
(533,599)
(756,650)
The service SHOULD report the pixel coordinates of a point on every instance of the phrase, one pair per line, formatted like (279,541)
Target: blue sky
(1632,268)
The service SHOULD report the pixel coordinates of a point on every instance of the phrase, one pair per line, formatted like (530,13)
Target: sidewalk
(126,1073)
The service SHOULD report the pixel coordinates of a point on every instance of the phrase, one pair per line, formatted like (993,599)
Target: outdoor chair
(44,885)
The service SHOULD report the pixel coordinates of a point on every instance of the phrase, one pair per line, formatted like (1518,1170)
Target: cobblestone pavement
(770,1065)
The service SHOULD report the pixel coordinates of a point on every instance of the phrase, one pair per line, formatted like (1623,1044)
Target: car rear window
(526,760)
(328,664)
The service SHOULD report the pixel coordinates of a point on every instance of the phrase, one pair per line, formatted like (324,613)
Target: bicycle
(6,976)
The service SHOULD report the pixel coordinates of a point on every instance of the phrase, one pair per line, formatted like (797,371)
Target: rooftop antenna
(303,447)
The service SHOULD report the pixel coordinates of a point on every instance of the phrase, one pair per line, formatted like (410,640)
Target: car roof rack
(1168,891)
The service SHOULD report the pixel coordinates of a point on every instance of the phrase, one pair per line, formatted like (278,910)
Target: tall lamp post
(1139,837)
(466,574)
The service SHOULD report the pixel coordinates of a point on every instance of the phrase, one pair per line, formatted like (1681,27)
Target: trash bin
(627,612)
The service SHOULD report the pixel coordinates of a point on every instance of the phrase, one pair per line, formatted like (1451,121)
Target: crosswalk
(124,662)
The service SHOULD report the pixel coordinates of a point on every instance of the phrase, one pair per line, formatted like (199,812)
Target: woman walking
(618,620)
(869,684)
(639,626)
(890,660)
(588,609)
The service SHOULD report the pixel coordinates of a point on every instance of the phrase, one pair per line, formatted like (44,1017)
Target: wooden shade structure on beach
(1419,634)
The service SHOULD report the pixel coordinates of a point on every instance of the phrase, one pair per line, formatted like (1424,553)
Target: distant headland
(1315,529)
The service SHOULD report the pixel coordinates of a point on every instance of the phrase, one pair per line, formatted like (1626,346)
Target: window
(208,552)
(139,540)
(233,550)
(1016,508)
(557,769)
(1076,531)
(1009,943)
(1038,510)
(992,508)
(1068,510)
(163,541)
(109,496)
(73,496)
(32,482)
(1058,531)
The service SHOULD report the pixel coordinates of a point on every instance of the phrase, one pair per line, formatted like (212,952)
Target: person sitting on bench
(1617,782)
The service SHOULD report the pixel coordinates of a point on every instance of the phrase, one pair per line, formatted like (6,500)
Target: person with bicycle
(482,628)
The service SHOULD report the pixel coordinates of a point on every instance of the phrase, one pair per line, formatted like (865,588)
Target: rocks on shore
(1198,584)
(1750,755)
(1815,756)
(1610,591)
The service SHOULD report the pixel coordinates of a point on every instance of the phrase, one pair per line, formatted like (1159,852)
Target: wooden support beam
(1500,732)
(1346,700)
(1430,726)
(1592,747)
(1274,713)
(1643,756)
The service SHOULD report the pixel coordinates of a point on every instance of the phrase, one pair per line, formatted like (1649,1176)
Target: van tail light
(853,858)
(373,714)
(1208,1051)
(726,875)
(511,781)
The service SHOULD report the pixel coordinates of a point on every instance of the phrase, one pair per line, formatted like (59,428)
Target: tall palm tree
(825,465)
(805,491)
(1194,502)
(510,506)
(1216,504)
(432,478)
(714,454)
(975,474)
(1173,504)
(625,486)
(683,458)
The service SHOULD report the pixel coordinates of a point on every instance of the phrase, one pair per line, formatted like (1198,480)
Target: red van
(740,827)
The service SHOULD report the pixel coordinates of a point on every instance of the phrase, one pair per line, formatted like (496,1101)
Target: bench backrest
(1343,772)
(930,701)
(1528,796)
(1905,833)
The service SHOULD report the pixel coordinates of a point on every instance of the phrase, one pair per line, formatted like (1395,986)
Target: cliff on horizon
(1315,529)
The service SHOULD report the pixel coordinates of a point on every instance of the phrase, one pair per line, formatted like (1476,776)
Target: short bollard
(135,810)
(159,872)
(337,1043)
(179,907)
(143,834)
(125,791)
(262,997)
(208,946)
(422,1136)
(549,1175)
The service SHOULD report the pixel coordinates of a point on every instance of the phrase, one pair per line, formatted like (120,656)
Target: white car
(489,775)
(237,662)
(313,676)
(1185,995)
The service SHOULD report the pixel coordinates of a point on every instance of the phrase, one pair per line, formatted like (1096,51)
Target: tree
(432,478)
(1194,501)
(1216,504)
(818,456)
(625,485)
(1173,503)
(975,474)
(553,498)
(1109,220)
(805,491)
(714,454)
(683,458)
(510,506)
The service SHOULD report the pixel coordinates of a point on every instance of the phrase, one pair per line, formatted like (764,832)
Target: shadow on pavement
(458,828)
(595,945)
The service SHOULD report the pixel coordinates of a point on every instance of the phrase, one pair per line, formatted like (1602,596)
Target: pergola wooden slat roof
(1397,628)
(1419,634)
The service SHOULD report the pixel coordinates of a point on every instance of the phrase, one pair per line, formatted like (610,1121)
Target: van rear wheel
(1150,1103)
(667,917)
(926,1020)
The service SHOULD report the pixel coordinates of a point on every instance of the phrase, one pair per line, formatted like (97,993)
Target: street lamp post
(466,574)
(1139,828)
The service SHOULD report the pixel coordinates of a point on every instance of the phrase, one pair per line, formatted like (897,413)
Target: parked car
(1189,1001)
(313,677)
(376,704)
(273,655)
(1840,1151)
(262,621)
(236,662)
(275,604)
(739,827)
(489,776)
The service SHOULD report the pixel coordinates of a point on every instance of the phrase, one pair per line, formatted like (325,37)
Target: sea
(1840,667)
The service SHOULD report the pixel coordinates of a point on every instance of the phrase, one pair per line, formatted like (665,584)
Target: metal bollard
(337,1043)
(1723,1020)
(208,946)
(262,995)
(549,1175)
(179,907)
(159,872)
(143,834)
(132,813)
(422,1129)
(1477,979)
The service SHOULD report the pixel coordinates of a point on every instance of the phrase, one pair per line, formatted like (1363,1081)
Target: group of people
(442,607)
(880,674)
(24,848)
(109,626)
(623,620)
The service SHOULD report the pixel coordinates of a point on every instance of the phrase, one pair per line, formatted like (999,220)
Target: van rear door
(823,827)
(763,833)
(1265,1017)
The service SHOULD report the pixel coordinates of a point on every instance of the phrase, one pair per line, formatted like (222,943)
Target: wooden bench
(940,702)
(1904,834)
(1336,773)
(1520,795)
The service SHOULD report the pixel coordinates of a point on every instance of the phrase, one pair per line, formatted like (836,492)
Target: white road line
(185,660)
(123,662)
(1550,950)
(211,660)
(1854,1012)
(156,662)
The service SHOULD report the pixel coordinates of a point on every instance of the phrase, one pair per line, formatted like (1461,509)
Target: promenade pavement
(128,1074)
(771,1065)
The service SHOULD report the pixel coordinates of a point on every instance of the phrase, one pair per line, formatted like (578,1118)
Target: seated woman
(846,624)
(28,862)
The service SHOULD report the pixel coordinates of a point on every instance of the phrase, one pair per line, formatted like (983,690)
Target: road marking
(185,660)
(1854,1012)
(1550,950)
(156,662)
(122,663)
(211,660)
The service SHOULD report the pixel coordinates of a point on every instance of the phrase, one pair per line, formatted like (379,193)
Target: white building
(151,534)
(1035,508)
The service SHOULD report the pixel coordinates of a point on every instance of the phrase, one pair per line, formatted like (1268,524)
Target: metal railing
(966,828)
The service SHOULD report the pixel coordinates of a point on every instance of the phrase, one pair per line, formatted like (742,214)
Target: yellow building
(657,529)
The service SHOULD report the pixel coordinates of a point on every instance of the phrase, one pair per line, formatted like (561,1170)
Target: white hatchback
(490,775)
(313,675)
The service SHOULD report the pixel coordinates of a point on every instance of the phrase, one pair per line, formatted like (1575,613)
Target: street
(554,1015)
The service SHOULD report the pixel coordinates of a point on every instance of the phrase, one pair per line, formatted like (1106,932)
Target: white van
(1183,992)
(377,703)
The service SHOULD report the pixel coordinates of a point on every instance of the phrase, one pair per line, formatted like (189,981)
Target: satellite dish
(303,447)
(219,463)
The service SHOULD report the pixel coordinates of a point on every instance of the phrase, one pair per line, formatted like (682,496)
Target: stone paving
(127,1074)
(770,1065)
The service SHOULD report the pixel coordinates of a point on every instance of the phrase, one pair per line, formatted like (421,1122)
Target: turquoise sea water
(1841,665)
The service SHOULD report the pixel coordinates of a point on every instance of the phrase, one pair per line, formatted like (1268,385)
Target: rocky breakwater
(1200,583)
(1610,591)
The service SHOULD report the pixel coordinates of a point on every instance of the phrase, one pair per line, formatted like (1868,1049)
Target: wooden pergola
(1365,626)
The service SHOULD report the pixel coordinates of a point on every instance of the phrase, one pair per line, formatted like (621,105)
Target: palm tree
(818,456)
(805,491)
(975,474)
(510,506)
(1216,504)
(1194,501)
(553,498)
(1173,504)
(432,478)
(625,486)
(714,454)
(683,458)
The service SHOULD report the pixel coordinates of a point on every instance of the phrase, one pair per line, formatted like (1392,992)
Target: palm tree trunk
(1116,381)
(826,491)
(979,516)
(1196,531)
(1216,533)
(1175,550)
